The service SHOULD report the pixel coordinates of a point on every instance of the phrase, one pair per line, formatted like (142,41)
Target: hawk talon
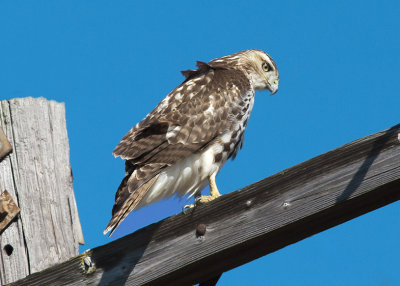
(188,208)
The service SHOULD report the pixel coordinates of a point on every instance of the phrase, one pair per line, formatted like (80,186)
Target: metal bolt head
(201,229)
(248,204)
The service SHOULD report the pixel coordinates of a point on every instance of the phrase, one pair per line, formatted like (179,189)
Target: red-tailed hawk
(183,143)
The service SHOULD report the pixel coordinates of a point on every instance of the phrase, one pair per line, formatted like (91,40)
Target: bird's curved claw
(188,208)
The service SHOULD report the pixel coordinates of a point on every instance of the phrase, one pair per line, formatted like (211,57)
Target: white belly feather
(188,176)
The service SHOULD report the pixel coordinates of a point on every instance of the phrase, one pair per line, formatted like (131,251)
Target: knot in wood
(201,229)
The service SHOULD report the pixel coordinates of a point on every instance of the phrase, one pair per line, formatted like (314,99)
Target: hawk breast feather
(192,116)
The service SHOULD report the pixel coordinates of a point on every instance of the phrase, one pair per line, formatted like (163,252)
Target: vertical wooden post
(38,176)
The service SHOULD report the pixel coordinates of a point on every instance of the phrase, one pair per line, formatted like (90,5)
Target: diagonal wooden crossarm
(246,224)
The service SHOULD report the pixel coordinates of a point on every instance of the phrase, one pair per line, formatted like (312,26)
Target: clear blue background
(111,62)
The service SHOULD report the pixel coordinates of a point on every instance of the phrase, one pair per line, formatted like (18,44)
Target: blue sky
(111,62)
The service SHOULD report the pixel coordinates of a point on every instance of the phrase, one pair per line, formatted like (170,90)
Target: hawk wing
(188,119)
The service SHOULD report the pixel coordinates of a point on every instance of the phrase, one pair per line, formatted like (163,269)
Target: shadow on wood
(359,176)
(109,256)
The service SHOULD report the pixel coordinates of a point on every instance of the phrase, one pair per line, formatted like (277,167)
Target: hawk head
(258,66)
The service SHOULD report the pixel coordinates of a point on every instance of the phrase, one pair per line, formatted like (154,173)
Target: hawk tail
(117,216)
(126,200)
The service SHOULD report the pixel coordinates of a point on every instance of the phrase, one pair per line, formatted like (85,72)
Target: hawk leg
(214,193)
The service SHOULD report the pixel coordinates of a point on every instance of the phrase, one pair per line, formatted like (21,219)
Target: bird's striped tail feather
(126,201)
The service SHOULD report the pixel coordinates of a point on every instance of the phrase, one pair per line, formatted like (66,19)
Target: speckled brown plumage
(211,106)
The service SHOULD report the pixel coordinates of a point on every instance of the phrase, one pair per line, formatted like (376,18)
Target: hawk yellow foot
(206,199)
(214,193)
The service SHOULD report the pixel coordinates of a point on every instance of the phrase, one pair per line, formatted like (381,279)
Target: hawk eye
(265,66)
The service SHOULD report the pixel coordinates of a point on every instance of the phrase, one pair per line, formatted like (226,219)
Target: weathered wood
(38,176)
(249,223)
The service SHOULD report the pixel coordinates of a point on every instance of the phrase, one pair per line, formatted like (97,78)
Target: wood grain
(38,176)
(246,224)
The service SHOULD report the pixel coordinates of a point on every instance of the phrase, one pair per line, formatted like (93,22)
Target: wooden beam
(244,225)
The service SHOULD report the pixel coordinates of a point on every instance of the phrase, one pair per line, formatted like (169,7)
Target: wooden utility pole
(241,226)
(38,177)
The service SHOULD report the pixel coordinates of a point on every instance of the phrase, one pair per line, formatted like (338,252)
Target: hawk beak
(273,88)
